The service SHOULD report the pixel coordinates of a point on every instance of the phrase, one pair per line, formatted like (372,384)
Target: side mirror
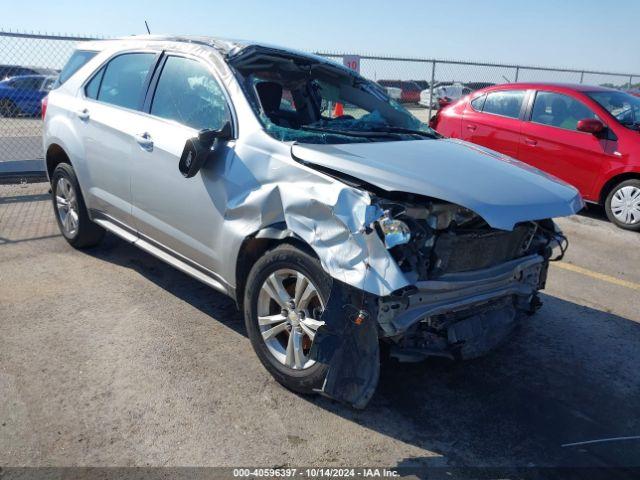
(590,125)
(197,149)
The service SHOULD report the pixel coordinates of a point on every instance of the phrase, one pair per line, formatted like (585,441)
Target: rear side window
(506,103)
(78,59)
(123,79)
(189,94)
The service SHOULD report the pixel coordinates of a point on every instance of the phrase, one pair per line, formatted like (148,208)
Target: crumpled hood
(500,189)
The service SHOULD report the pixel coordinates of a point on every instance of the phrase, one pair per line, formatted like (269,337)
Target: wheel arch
(256,245)
(615,180)
(54,156)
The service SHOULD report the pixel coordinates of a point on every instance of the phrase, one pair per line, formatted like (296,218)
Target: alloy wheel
(289,310)
(67,207)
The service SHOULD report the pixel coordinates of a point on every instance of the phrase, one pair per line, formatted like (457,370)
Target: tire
(280,262)
(8,108)
(622,205)
(69,206)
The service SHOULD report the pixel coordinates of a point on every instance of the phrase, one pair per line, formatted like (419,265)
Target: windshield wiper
(351,133)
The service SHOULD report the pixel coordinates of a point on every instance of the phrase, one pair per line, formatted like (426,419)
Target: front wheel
(285,295)
(623,205)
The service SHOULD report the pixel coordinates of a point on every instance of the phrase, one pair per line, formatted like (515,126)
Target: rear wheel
(70,209)
(623,205)
(284,299)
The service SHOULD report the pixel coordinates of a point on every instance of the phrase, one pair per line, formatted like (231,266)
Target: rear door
(552,143)
(494,121)
(108,120)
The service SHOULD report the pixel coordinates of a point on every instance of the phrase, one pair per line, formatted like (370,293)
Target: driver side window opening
(292,106)
(189,94)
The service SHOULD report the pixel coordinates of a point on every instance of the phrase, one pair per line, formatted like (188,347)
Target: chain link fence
(30,62)
(29,66)
(419,83)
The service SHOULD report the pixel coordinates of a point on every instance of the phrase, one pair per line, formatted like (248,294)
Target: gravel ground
(110,357)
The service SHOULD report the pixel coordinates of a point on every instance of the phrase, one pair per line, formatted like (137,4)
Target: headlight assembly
(395,232)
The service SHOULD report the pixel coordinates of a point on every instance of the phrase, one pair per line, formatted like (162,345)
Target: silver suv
(337,220)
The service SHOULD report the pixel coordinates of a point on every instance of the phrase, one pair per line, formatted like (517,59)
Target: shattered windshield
(299,99)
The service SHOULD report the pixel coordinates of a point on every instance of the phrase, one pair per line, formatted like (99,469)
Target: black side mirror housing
(197,149)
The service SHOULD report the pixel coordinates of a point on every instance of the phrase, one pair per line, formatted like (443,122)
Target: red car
(587,136)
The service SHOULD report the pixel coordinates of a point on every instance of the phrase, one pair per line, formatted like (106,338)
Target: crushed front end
(471,282)
(470,286)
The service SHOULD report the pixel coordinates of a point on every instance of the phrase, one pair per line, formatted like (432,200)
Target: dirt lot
(109,357)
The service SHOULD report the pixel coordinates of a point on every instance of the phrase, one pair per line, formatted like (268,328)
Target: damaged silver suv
(336,219)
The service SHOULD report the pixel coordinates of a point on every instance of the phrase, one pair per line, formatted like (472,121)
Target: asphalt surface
(110,357)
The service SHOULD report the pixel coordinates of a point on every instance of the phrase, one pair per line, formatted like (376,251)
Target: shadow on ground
(569,374)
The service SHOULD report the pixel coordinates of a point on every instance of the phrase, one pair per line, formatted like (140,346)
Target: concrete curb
(22,171)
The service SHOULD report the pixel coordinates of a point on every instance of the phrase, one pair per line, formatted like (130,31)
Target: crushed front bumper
(456,292)
(464,315)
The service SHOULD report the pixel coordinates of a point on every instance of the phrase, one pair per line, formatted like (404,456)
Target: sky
(586,34)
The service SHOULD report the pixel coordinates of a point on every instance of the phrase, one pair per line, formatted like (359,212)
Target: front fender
(333,220)
(610,174)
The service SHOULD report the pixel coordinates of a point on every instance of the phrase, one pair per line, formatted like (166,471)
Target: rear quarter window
(478,102)
(78,59)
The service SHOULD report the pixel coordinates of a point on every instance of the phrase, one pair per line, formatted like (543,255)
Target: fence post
(630,81)
(581,77)
(517,74)
(433,79)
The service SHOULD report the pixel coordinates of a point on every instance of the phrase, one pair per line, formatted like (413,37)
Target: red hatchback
(587,136)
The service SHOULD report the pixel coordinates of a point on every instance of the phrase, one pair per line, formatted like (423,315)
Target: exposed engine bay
(471,284)
(452,253)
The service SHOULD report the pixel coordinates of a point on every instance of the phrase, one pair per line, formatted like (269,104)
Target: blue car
(22,95)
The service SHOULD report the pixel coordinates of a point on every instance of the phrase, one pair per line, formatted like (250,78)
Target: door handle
(531,142)
(144,140)
(83,114)
(471,128)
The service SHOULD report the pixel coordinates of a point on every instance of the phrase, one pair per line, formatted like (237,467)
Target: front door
(182,215)
(552,143)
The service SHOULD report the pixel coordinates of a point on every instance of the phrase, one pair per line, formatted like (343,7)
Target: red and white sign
(352,62)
